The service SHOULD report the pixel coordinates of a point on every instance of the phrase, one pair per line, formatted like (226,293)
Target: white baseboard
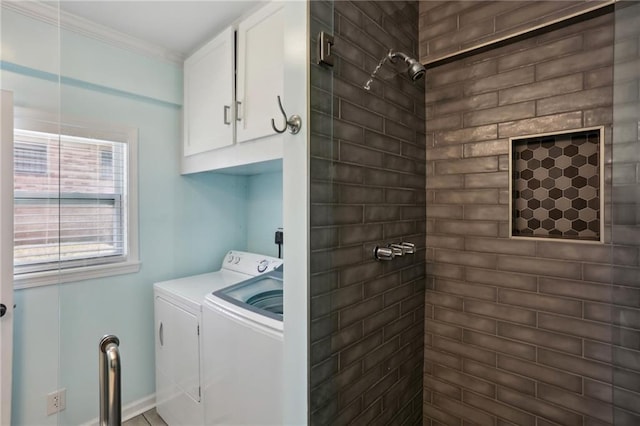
(129,411)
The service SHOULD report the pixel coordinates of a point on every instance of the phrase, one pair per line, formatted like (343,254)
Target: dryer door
(177,363)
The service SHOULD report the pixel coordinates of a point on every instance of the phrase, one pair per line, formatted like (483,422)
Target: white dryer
(243,350)
(178,348)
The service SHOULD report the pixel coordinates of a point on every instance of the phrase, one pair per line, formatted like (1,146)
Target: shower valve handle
(383,253)
(398,249)
(408,248)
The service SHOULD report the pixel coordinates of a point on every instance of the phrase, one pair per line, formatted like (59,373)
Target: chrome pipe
(110,397)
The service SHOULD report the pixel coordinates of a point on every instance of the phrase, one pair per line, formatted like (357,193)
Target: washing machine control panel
(263,265)
(250,263)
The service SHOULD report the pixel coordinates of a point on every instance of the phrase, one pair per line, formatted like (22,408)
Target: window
(106,164)
(30,159)
(72,206)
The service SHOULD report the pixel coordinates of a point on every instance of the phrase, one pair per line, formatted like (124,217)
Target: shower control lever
(383,253)
(398,249)
(393,250)
(408,248)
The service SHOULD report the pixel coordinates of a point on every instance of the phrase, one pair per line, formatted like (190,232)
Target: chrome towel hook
(293,123)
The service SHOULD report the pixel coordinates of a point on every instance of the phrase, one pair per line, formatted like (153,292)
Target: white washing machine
(178,348)
(243,353)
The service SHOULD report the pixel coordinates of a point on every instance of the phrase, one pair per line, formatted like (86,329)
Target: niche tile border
(556,185)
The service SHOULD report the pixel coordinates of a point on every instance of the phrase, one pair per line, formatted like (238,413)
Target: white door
(260,72)
(6,253)
(208,96)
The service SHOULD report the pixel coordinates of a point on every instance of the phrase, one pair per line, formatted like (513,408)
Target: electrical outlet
(56,401)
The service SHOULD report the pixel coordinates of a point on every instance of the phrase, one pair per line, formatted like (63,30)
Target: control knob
(263,265)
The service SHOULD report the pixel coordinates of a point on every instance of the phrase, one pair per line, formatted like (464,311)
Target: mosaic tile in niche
(556,186)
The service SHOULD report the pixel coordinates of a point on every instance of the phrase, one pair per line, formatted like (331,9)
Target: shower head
(416,69)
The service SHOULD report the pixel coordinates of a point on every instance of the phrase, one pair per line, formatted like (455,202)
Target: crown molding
(52,15)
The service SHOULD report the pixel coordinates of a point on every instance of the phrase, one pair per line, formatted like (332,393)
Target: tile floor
(148,418)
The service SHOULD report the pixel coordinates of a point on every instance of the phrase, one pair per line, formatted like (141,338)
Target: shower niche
(556,185)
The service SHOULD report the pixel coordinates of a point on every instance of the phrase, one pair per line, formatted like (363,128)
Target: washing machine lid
(237,266)
(191,291)
(262,295)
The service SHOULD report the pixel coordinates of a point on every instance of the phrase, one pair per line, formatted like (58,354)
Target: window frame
(26,119)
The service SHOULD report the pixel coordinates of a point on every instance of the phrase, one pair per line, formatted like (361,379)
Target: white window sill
(38,279)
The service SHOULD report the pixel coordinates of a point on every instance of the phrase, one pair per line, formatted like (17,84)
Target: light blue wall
(45,48)
(264,212)
(186,223)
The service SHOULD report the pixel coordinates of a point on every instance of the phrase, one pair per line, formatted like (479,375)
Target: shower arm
(393,56)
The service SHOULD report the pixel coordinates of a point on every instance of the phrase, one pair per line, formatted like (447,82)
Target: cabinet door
(260,72)
(177,363)
(208,96)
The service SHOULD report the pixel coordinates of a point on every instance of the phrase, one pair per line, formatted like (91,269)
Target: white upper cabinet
(260,72)
(209,96)
(224,129)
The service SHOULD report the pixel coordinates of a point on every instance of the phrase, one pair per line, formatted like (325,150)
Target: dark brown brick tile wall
(367,189)
(451,26)
(528,332)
